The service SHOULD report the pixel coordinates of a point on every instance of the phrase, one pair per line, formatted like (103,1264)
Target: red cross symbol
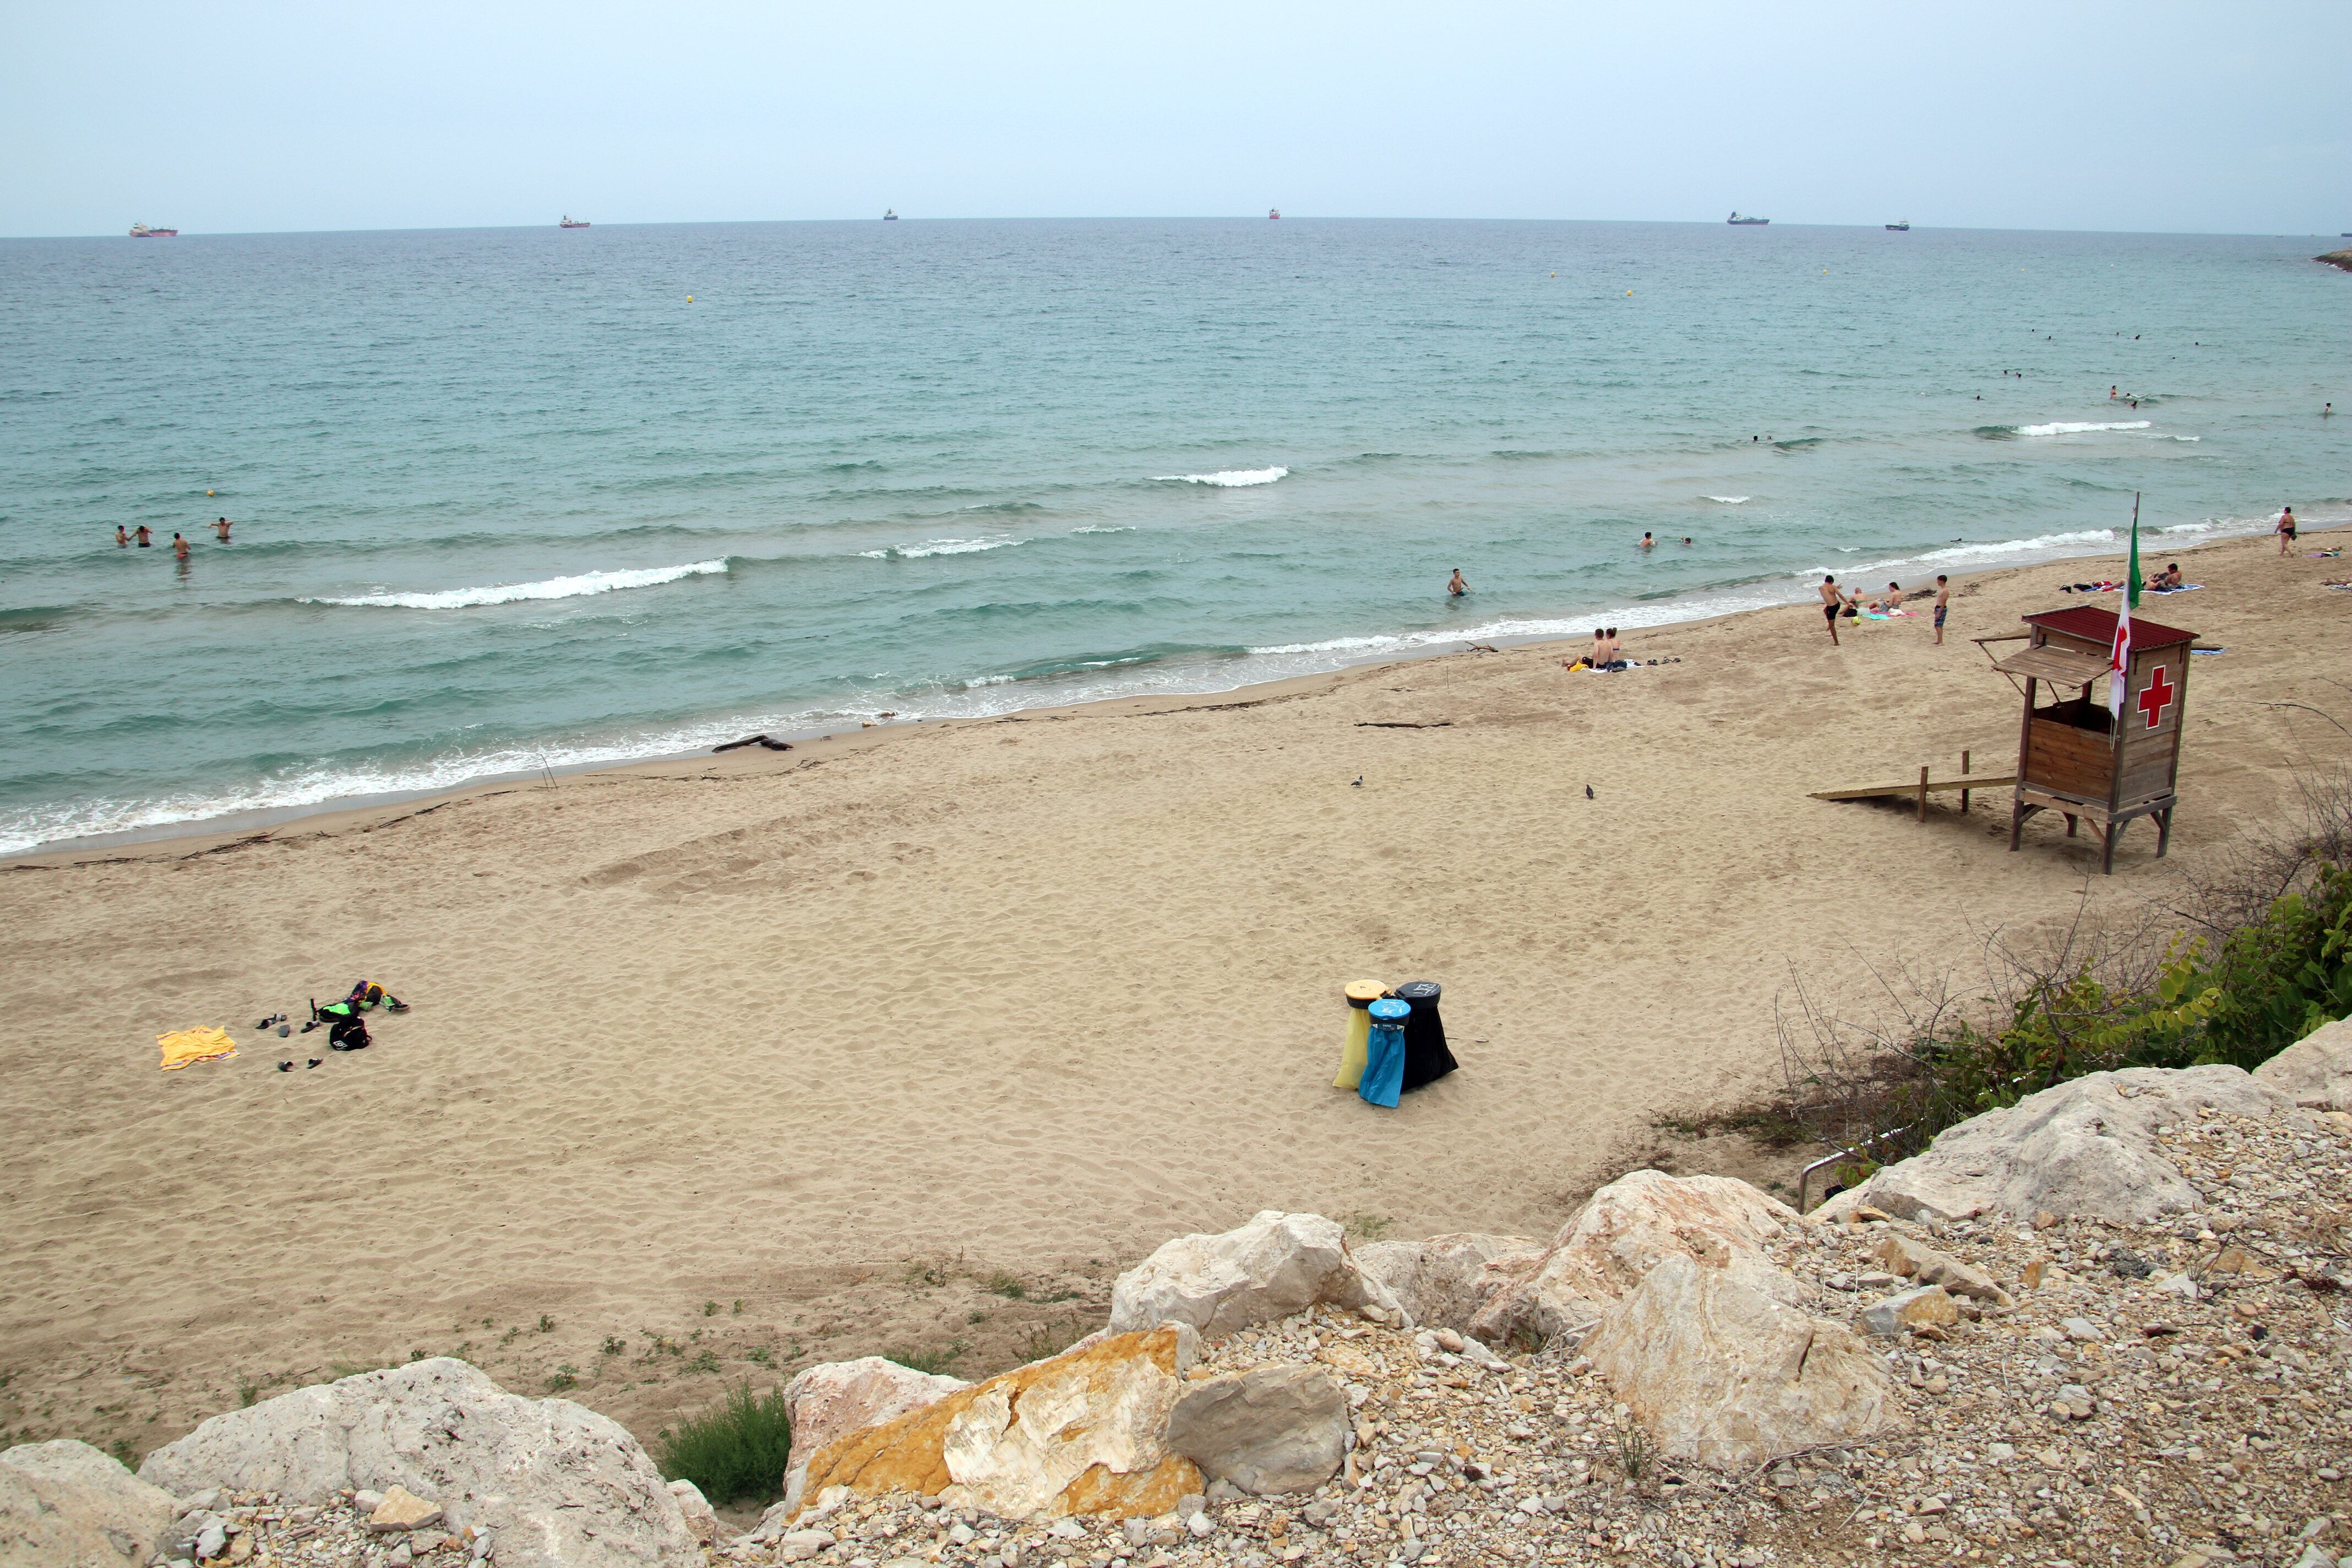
(2155,697)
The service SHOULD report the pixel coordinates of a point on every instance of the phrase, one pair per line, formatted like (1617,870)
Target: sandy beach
(788,1056)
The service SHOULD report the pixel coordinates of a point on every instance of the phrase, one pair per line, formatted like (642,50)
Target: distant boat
(571,221)
(1744,222)
(889,215)
(141,231)
(1274,212)
(1903,227)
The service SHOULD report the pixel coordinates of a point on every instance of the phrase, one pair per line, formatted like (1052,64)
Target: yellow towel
(185,1045)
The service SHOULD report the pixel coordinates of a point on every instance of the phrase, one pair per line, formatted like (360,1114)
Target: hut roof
(2099,626)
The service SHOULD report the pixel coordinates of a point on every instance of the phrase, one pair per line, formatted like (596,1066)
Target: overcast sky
(2225,116)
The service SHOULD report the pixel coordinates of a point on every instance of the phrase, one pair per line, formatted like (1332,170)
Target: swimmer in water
(142,535)
(179,547)
(220,531)
(1648,542)
(122,540)
(1687,539)
(1455,585)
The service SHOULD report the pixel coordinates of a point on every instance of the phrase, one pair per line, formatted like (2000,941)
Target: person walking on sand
(1831,602)
(2285,529)
(1455,586)
(1943,603)
(141,535)
(220,531)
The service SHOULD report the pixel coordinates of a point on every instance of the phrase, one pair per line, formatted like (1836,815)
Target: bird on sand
(1359,784)
(1588,791)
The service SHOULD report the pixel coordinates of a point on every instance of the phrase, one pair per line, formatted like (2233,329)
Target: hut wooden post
(1923,794)
(1964,794)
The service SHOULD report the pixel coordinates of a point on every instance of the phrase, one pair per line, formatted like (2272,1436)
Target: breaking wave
(1730,501)
(585,583)
(2064,427)
(1226,479)
(939,547)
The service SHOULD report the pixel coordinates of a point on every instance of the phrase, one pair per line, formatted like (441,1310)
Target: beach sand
(843,1033)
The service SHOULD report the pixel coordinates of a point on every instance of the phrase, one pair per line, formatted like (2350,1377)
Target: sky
(270,117)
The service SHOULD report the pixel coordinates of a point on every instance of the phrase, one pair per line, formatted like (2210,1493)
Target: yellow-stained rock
(1078,1433)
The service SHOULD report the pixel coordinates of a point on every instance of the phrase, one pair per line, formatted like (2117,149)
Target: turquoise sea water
(506,498)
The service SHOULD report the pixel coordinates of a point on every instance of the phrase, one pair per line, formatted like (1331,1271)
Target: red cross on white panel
(2156,696)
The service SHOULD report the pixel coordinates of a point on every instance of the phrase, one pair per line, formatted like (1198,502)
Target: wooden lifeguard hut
(2073,756)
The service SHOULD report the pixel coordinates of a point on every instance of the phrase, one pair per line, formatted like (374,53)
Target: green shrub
(735,1452)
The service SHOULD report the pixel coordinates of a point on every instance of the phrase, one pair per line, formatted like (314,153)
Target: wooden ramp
(1920,788)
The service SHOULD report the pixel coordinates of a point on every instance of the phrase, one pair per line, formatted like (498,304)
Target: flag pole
(2119,656)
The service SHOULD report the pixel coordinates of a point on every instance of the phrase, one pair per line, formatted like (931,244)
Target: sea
(514,502)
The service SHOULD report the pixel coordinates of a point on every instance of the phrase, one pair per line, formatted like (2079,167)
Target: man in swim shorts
(2285,529)
(1943,603)
(142,533)
(1831,602)
(1648,542)
(179,547)
(1456,586)
(220,531)
(122,538)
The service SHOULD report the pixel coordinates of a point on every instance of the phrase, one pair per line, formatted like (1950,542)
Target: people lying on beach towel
(367,994)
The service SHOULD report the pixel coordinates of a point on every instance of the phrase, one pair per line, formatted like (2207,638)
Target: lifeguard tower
(2074,757)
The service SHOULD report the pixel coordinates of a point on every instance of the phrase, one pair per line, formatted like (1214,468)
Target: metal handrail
(1805,1177)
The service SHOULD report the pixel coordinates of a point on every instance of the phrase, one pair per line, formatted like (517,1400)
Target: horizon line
(1173,217)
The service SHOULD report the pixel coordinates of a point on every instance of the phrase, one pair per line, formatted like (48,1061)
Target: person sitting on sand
(1455,585)
(1616,653)
(2166,579)
(1893,600)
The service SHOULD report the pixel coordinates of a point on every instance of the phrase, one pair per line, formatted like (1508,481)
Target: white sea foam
(2081,427)
(1090,528)
(2039,543)
(940,547)
(1730,501)
(553,588)
(1228,479)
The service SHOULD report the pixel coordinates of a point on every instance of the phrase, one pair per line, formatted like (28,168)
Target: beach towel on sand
(185,1045)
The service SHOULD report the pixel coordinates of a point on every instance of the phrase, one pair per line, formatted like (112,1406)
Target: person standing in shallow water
(122,538)
(220,531)
(1455,586)
(144,535)
(179,547)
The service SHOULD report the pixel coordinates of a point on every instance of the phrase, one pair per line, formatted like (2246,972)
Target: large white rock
(2086,1148)
(1721,1374)
(1081,1433)
(1623,1232)
(2316,1072)
(1275,1265)
(560,1486)
(1446,1280)
(838,1397)
(1270,1429)
(65,1504)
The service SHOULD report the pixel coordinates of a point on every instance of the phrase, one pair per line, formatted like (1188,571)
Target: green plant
(738,1305)
(546,1323)
(613,1344)
(1631,1445)
(710,1309)
(707,1362)
(758,1355)
(935,1361)
(248,1391)
(565,1376)
(1008,1286)
(1369,1226)
(919,1275)
(733,1453)
(124,1454)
